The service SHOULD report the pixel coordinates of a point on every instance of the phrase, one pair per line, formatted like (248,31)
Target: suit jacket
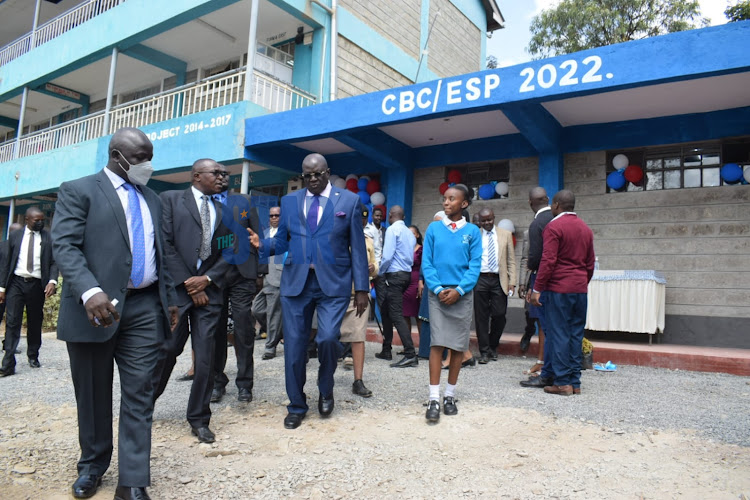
(91,246)
(275,265)
(525,273)
(249,268)
(10,261)
(506,259)
(336,248)
(182,237)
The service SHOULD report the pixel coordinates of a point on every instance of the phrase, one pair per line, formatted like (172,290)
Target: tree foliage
(738,12)
(584,24)
(491,62)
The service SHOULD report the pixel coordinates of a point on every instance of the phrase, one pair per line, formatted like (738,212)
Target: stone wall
(396,20)
(359,72)
(455,44)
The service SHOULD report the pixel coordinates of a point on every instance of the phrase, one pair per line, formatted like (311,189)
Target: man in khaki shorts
(354,328)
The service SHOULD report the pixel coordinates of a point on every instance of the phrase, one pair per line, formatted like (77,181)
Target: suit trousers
(396,285)
(267,309)
(135,346)
(240,293)
(22,294)
(381,295)
(565,315)
(202,322)
(298,312)
(490,306)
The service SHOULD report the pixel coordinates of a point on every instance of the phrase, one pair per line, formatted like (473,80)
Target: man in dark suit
(321,229)
(194,240)
(267,304)
(117,304)
(243,282)
(28,276)
(4,246)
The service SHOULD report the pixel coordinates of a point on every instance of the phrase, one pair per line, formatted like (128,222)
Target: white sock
(435,392)
(450,390)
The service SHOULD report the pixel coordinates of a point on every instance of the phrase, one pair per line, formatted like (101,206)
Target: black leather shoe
(34,363)
(405,362)
(217,394)
(186,377)
(245,395)
(7,373)
(536,381)
(293,420)
(526,341)
(125,493)
(449,405)
(358,388)
(86,485)
(268,355)
(204,434)
(433,411)
(493,356)
(471,362)
(325,405)
(483,360)
(386,355)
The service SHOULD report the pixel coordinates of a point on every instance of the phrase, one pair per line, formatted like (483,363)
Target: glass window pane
(671,179)
(633,187)
(711,177)
(711,159)
(692,177)
(653,164)
(693,160)
(654,180)
(671,162)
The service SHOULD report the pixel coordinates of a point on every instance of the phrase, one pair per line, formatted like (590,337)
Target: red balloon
(351,185)
(444,187)
(382,209)
(372,187)
(633,174)
(454,176)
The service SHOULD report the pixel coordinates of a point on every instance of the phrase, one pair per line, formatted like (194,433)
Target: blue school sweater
(451,258)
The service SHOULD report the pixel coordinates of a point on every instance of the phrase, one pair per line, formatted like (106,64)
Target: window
(683,166)
(477,174)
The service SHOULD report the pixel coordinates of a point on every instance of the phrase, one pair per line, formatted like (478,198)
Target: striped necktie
(491,254)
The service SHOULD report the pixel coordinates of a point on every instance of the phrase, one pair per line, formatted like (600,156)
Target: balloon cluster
(486,191)
(732,173)
(367,189)
(624,173)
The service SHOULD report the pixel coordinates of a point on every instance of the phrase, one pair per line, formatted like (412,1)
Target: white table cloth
(626,301)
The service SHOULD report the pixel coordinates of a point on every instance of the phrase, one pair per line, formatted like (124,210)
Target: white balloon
(746,173)
(332,178)
(501,188)
(620,161)
(340,183)
(351,176)
(507,224)
(377,198)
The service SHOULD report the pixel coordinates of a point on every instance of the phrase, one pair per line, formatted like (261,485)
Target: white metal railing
(56,27)
(220,90)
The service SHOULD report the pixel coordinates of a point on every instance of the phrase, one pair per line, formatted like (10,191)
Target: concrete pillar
(399,190)
(251,50)
(110,91)
(551,170)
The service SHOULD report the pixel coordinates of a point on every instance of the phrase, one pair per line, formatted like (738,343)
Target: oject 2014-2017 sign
(443,92)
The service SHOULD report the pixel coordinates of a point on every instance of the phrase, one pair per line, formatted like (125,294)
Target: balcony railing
(220,90)
(56,27)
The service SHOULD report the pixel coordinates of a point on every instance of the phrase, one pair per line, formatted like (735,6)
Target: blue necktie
(491,255)
(312,214)
(139,244)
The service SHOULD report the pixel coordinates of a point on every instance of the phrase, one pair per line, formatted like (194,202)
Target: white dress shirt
(486,235)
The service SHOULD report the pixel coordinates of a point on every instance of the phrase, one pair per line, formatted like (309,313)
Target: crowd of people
(143,273)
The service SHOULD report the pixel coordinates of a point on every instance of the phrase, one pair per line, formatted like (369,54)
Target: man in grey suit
(195,238)
(117,304)
(267,304)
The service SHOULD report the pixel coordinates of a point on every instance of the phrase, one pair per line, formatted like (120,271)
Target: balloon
(731,173)
(620,161)
(351,185)
(381,207)
(501,188)
(372,187)
(616,180)
(486,191)
(747,174)
(454,176)
(339,183)
(362,184)
(364,197)
(332,178)
(507,224)
(351,176)
(633,174)
(377,198)
(365,177)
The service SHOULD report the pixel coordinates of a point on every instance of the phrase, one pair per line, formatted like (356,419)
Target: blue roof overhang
(687,86)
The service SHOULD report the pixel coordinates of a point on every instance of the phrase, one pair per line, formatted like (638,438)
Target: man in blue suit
(321,230)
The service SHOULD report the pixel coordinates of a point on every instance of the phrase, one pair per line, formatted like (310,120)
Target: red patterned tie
(453,226)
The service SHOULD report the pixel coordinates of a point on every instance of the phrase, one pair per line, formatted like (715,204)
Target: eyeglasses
(216,173)
(310,175)
(274,215)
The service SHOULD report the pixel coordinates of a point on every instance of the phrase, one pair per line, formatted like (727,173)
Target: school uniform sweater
(568,256)
(451,258)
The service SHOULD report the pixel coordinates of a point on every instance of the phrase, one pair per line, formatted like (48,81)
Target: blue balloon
(486,191)
(616,180)
(364,197)
(362,184)
(731,173)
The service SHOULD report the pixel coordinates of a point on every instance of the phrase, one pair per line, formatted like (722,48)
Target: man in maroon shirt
(561,285)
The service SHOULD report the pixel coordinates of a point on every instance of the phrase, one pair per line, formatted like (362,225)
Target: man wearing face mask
(118,303)
(28,275)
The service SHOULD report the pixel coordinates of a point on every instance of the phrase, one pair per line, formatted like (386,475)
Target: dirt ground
(364,453)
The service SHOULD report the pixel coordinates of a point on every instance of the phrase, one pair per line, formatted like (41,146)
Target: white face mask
(139,173)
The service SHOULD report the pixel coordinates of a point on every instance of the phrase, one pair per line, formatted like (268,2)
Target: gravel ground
(638,432)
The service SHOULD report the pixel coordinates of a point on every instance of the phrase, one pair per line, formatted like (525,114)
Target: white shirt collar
(326,192)
(116,180)
(564,213)
(26,230)
(459,223)
(543,209)
(484,231)
(199,196)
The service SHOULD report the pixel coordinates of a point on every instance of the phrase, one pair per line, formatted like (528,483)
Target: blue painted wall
(302,75)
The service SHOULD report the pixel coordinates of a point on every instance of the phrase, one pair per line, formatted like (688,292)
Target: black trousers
(135,346)
(203,323)
(21,295)
(490,306)
(241,294)
(395,286)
